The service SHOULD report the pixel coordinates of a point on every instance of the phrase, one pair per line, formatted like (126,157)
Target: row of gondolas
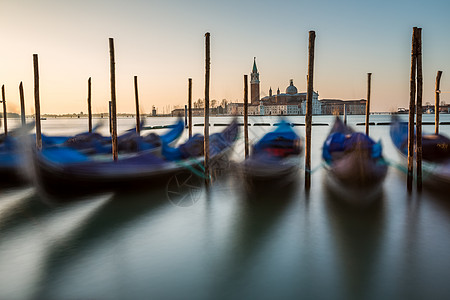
(82,164)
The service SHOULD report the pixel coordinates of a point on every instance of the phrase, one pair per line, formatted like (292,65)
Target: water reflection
(94,234)
(358,233)
(254,227)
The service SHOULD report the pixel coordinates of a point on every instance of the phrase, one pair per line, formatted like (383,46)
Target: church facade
(289,103)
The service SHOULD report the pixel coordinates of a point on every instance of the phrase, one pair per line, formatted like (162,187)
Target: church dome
(291,89)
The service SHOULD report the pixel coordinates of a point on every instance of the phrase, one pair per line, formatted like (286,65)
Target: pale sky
(162,42)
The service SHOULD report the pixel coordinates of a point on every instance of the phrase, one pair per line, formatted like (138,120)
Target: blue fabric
(399,134)
(339,142)
(174,133)
(63,155)
(194,147)
(282,137)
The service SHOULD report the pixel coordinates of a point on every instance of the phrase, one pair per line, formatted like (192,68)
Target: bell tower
(254,84)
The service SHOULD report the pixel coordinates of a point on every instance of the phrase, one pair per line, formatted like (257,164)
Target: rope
(192,169)
(322,164)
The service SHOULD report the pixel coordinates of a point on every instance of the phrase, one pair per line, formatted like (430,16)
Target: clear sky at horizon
(162,42)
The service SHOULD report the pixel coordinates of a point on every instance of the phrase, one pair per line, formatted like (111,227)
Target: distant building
(196,112)
(336,106)
(290,103)
(238,109)
(254,85)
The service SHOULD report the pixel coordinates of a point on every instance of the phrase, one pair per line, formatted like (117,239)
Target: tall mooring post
(369,77)
(5,112)
(37,106)
(437,91)
(308,117)
(246,146)
(115,151)
(89,106)
(22,104)
(206,133)
(412,108)
(136,98)
(190,106)
(419,109)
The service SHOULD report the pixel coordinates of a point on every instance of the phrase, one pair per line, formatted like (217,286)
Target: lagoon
(225,244)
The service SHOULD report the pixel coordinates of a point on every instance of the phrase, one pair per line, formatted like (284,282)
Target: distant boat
(355,165)
(435,155)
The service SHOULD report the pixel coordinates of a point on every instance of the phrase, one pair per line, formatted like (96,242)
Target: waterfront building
(238,109)
(289,103)
(336,106)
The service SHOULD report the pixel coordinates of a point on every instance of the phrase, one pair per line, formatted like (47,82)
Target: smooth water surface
(225,244)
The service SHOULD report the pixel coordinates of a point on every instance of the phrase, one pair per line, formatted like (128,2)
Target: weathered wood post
(89,105)
(246,116)
(22,104)
(369,76)
(308,117)
(110,116)
(5,113)
(185,116)
(115,151)
(345,113)
(419,109)
(412,100)
(436,102)
(206,133)
(136,97)
(190,106)
(37,106)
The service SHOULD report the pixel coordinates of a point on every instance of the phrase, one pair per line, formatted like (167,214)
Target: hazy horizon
(163,44)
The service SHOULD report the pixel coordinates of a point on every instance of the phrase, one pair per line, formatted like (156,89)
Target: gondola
(274,161)
(354,165)
(15,145)
(11,154)
(67,172)
(435,155)
(128,142)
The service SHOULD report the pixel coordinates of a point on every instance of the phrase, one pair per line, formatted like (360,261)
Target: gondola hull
(355,168)
(67,173)
(435,156)
(275,160)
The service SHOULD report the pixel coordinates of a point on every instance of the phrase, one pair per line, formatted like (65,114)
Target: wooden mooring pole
(89,106)
(136,97)
(190,106)
(436,102)
(345,113)
(115,151)
(246,148)
(419,109)
(308,117)
(369,77)
(412,100)
(5,113)
(37,106)
(22,104)
(110,116)
(206,133)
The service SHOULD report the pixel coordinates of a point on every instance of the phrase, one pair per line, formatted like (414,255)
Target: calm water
(223,244)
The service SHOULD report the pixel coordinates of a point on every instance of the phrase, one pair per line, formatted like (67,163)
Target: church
(289,103)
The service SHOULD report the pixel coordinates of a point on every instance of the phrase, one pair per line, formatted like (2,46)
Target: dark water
(222,243)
